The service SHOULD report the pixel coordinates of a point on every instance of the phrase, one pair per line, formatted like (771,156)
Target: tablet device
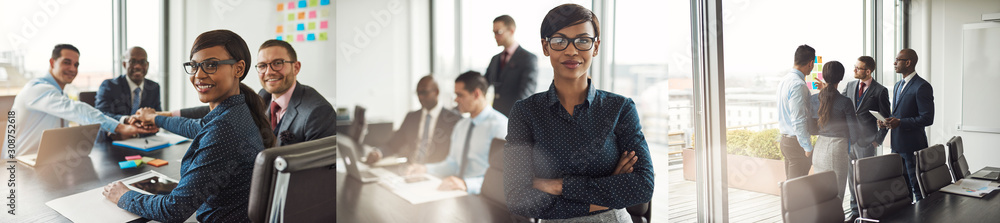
(877,115)
(155,185)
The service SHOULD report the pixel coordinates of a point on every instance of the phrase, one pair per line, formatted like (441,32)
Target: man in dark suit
(425,135)
(912,110)
(298,113)
(867,95)
(120,97)
(513,72)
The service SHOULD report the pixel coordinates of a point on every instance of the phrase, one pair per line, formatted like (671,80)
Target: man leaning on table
(42,104)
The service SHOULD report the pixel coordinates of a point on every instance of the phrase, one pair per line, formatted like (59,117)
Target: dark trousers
(797,164)
(910,163)
(856,152)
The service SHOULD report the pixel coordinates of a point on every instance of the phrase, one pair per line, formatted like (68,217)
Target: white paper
(877,115)
(90,206)
(160,138)
(420,192)
(970,187)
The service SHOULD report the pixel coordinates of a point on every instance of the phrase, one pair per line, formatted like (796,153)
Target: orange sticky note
(302,15)
(281,29)
(157,163)
(281,7)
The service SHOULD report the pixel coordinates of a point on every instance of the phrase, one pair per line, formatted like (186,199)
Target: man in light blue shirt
(465,166)
(794,114)
(42,104)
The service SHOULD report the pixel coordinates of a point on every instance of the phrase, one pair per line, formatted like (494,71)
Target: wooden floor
(677,202)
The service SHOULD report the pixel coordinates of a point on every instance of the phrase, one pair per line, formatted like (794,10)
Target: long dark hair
(237,48)
(833,73)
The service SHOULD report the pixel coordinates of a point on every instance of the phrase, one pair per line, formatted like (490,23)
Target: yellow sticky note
(312,25)
(322,36)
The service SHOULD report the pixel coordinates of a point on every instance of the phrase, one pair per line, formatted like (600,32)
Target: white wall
(937,37)
(255,22)
(382,48)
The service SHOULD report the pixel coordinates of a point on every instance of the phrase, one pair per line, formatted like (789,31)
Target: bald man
(120,97)
(912,110)
(425,135)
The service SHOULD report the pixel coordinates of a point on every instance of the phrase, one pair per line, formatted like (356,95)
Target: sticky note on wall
(302,15)
(312,25)
(322,24)
(311,37)
(322,36)
(300,38)
(312,14)
(281,7)
(291,5)
(300,27)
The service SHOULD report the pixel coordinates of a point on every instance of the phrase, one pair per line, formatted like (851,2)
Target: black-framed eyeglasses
(208,66)
(580,43)
(897,59)
(275,65)
(143,62)
(859,68)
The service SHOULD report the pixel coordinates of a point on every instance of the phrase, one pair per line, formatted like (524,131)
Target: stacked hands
(143,120)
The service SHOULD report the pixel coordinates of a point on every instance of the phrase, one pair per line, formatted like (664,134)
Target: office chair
(811,198)
(641,213)
(295,183)
(880,186)
(956,159)
(359,125)
(89,97)
(492,188)
(932,173)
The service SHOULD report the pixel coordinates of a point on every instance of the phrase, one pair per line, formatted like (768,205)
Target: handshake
(142,122)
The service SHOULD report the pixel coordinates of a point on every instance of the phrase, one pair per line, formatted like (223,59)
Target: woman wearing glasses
(217,167)
(575,153)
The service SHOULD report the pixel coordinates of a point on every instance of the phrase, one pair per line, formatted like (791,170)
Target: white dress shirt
(43,105)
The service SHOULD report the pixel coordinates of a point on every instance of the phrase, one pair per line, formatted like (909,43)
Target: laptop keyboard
(993,175)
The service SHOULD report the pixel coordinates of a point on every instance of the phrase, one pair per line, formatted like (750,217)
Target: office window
(32,29)
(144,29)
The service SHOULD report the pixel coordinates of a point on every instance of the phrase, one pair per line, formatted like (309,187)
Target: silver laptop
(63,144)
(986,174)
(354,166)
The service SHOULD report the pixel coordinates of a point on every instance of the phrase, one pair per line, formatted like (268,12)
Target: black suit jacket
(404,141)
(309,116)
(114,98)
(515,81)
(875,98)
(914,108)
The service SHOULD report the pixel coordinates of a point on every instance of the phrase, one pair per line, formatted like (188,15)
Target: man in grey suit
(298,113)
(513,72)
(425,135)
(867,95)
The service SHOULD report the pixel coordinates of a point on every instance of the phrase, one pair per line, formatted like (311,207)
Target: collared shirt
(434,113)
(42,105)
(132,86)
(489,124)
(545,141)
(906,82)
(510,51)
(216,169)
(794,108)
(283,101)
(867,83)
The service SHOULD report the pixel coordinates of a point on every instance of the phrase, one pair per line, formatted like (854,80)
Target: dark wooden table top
(361,202)
(43,183)
(947,207)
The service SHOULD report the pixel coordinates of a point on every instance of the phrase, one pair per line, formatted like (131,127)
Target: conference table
(946,207)
(37,185)
(370,202)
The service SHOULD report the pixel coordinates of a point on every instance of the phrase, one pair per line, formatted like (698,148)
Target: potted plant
(754,162)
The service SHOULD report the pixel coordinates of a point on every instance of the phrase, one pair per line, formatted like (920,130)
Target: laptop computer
(63,144)
(353,164)
(986,174)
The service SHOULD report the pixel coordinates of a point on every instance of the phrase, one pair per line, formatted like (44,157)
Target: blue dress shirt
(793,108)
(215,171)
(545,141)
(489,124)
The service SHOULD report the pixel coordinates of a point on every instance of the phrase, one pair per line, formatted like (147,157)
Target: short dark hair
(804,55)
(507,21)
(57,51)
(234,44)
(869,62)
(286,45)
(567,15)
(472,80)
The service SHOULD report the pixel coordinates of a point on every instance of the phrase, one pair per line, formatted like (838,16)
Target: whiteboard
(980,77)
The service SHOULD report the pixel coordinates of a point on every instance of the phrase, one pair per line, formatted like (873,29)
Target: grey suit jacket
(515,81)
(875,98)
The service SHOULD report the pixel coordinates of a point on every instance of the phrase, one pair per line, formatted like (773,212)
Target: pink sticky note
(312,14)
(322,24)
(300,38)
(291,5)
(136,157)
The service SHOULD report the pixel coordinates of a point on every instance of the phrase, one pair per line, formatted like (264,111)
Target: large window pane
(143,29)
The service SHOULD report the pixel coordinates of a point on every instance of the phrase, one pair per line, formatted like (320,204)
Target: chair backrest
(880,185)
(359,125)
(493,181)
(932,173)
(641,213)
(89,97)
(956,159)
(811,198)
(295,183)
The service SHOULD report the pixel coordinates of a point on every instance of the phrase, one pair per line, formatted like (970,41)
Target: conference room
(705,78)
(168,111)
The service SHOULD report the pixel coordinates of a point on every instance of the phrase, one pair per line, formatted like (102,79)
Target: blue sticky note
(302,4)
(311,37)
(300,27)
(126,164)
(279,38)
(324,2)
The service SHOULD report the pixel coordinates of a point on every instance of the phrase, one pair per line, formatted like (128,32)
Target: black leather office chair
(811,198)
(89,97)
(359,125)
(492,188)
(880,186)
(295,183)
(932,173)
(641,213)
(956,159)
